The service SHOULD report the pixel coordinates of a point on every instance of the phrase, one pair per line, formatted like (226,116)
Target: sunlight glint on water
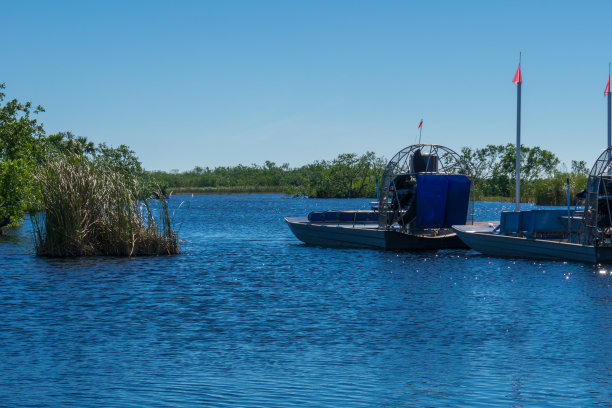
(249,317)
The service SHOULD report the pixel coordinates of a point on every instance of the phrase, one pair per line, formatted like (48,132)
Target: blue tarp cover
(457,200)
(442,200)
(431,200)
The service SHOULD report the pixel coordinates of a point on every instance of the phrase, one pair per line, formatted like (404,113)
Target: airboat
(424,190)
(572,234)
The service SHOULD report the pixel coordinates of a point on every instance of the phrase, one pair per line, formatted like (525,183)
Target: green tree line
(543,177)
(348,175)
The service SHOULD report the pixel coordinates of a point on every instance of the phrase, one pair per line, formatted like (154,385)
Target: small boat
(425,189)
(367,234)
(556,234)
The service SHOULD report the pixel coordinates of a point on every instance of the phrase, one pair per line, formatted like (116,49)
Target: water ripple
(248,317)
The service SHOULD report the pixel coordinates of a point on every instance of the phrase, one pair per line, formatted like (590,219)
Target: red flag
(607,90)
(518,78)
(421,124)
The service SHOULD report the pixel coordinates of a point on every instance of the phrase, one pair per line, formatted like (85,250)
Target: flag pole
(421,128)
(609,111)
(519,81)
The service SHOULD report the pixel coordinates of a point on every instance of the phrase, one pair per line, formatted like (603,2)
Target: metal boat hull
(484,240)
(351,235)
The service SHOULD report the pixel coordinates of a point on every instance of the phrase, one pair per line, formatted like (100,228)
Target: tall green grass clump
(553,191)
(93,210)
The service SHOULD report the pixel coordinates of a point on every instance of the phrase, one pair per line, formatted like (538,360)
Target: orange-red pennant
(518,78)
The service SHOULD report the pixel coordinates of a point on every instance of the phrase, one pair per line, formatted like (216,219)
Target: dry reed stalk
(90,211)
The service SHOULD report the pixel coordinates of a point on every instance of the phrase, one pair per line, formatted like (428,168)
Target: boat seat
(533,223)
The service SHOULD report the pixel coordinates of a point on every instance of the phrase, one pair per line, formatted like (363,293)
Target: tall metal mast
(518,80)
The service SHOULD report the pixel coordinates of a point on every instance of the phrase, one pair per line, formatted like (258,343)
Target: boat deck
(360,225)
(477,226)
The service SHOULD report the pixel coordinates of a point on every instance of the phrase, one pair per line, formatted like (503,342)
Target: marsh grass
(93,211)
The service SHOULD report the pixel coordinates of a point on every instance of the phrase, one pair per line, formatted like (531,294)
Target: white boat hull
(484,240)
(368,235)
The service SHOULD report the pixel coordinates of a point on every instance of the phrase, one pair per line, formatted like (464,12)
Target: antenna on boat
(607,93)
(569,217)
(420,129)
(518,81)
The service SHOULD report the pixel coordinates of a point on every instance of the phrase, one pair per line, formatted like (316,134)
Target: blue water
(247,316)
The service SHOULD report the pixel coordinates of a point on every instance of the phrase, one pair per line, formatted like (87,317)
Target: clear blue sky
(217,83)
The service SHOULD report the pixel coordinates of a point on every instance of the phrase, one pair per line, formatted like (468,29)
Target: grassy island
(84,199)
(93,210)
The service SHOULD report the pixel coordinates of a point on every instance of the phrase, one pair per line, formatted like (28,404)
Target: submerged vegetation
(83,199)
